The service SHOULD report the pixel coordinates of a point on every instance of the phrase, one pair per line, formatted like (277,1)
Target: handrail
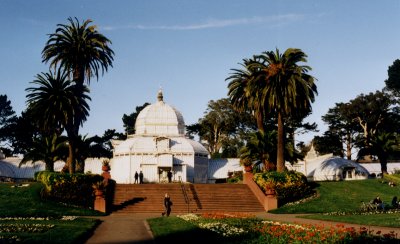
(185,196)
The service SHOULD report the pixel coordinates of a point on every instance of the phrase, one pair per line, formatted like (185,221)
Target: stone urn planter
(270,192)
(248,168)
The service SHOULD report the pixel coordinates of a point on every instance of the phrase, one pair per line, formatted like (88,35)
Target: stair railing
(185,196)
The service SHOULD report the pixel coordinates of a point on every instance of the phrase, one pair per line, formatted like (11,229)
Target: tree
(393,81)
(81,51)
(24,132)
(7,120)
(343,125)
(328,143)
(130,120)
(48,149)
(275,84)
(240,93)
(371,112)
(54,103)
(222,128)
(381,145)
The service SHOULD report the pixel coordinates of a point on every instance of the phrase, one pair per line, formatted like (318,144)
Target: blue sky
(188,48)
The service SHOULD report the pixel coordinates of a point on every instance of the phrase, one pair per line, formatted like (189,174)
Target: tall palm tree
(54,102)
(80,49)
(283,87)
(240,92)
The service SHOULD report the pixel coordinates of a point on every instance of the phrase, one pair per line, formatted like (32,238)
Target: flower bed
(238,228)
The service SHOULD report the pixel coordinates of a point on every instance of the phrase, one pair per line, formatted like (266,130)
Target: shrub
(289,186)
(73,189)
(237,176)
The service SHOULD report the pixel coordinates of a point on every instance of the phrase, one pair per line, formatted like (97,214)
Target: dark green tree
(371,112)
(275,84)
(130,120)
(328,143)
(82,52)
(54,102)
(341,124)
(222,128)
(393,81)
(80,49)
(7,121)
(382,144)
(48,149)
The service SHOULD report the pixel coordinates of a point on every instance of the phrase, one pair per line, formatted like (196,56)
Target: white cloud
(217,23)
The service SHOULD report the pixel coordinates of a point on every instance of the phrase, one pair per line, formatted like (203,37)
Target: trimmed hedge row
(74,189)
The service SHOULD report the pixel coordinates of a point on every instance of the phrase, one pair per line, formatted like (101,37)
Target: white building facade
(158,146)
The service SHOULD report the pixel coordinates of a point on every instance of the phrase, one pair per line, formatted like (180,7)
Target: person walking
(167,205)
(136,177)
(141,177)
(169,176)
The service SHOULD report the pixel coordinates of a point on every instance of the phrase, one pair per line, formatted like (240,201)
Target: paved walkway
(133,228)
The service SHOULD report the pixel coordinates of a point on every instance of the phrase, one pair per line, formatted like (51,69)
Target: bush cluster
(74,189)
(289,186)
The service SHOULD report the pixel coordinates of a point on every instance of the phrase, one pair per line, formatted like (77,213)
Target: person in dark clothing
(395,203)
(169,176)
(136,177)
(378,203)
(141,177)
(167,205)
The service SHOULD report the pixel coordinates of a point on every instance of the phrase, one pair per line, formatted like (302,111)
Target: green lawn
(346,196)
(25,201)
(343,196)
(22,212)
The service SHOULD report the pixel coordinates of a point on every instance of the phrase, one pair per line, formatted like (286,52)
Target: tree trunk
(383,162)
(348,146)
(260,121)
(71,157)
(280,164)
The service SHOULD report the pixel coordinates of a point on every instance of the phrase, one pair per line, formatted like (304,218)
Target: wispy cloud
(216,23)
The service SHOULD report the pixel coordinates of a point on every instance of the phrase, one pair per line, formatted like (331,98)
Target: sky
(188,48)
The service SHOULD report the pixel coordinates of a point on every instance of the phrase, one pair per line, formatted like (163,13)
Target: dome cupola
(160,119)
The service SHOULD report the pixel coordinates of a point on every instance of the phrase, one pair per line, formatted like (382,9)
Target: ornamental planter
(270,192)
(248,168)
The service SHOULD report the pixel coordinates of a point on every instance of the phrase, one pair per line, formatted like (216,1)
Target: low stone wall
(269,202)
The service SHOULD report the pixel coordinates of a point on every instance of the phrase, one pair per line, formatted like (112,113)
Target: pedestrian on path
(167,205)
(141,177)
(136,178)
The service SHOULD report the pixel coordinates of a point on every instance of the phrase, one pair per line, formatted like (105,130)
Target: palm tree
(275,84)
(55,101)
(283,87)
(80,49)
(260,148)
(48,149)
(240,93)
(382,145)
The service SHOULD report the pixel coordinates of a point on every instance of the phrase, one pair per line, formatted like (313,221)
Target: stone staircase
(146,198)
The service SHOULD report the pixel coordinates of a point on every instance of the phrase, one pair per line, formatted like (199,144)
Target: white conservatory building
(158,146)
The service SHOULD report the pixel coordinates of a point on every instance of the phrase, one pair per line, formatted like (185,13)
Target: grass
(26,202)
(26,208)
(388,220)
(343,196)
(175,230)
(62,231)
(346,196)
